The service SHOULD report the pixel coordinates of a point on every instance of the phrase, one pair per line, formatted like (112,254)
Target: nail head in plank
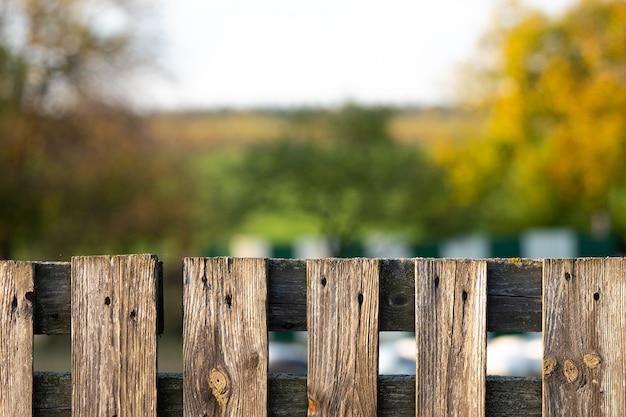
(114,335)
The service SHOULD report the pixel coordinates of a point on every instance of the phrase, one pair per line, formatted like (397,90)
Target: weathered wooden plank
(287,395)
(342,315)
(451,333)
(584,307)
(53,299)
(170,395)
(509,396)
(610,326)
(52,394)
(287,295)
(225,347)
(16,338)
(513,292)
(397,295)
(506,396)
(114,335)
(514,295)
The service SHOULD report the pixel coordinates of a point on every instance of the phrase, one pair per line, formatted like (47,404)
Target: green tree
(78,171)
(555,88)
(351,181)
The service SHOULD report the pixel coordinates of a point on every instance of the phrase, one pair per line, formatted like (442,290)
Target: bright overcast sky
(248,53)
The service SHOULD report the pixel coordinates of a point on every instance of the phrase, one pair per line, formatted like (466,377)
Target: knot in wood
(592,360)
(218,381)
(570,370)
(548,366)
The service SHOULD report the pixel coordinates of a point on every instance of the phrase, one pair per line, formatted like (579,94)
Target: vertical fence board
(225,347)
(342,316)
(583,367)
(451,332)
(114,335)
(16,338)
(611,338)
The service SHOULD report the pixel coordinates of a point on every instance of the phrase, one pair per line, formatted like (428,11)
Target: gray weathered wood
(509,396)
(225,347)
(506,396)
(16,338)
(52,395)
(114,335)
(52,297)
(287,295)
(584,369)
(170,395)
(513,293)
(342,315)
(451,333)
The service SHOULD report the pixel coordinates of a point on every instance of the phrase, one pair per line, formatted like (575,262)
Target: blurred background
(310,129)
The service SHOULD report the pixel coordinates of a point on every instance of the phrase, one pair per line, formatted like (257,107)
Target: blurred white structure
(386,246)
(313,247)
(549,243)
(396,355)
(515,355)
(507,355)
(289,358)
(474,246)
(250,247)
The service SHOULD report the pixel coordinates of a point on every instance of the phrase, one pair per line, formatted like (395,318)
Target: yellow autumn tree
(555,90)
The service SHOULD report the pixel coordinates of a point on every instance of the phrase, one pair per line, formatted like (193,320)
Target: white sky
(247,53)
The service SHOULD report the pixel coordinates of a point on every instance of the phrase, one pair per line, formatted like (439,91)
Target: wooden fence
(111,306)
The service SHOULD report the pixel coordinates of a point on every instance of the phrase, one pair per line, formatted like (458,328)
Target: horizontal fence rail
(112,306)
(513,296)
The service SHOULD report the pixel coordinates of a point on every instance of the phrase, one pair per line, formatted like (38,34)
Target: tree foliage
(78,169)
(555,88)
(353,182)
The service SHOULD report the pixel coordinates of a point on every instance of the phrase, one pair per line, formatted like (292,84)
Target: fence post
(225,346)
(114,336)
(451,332)
(584,315)
(342,316)
(16,339)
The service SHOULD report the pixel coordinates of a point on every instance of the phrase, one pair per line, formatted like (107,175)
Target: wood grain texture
(16,338)
(584,369)
(513,293)
(225,346)
(114,335)
(342,315)
(53,300)
(451,333)
(52,394)
(287,295)
(513,396)
(506,396)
